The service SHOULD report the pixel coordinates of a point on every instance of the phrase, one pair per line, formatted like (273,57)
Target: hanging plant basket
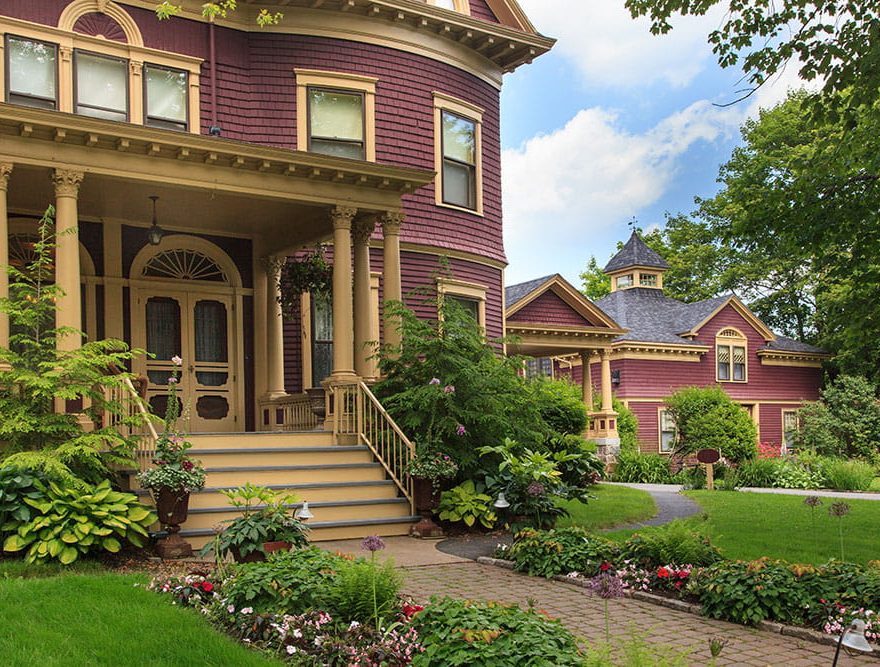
(306,272)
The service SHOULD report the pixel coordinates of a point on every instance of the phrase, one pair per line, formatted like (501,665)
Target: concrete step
(323,531)
(261,439)
(301,474)
(281,456)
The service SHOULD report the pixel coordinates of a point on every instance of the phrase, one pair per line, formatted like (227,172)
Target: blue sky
(613,123)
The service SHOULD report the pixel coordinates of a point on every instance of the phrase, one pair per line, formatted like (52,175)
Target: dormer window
(647,280)
(32,73)
(625,281)
(731,348)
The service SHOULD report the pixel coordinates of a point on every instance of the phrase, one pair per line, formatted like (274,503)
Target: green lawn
(750,525)
(612,506)
(91,620)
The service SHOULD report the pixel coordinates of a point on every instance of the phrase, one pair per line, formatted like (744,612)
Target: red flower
(207,586)
(604,567)
(410,610)
(679,584)
(187,465)
(682,574)
(663,573)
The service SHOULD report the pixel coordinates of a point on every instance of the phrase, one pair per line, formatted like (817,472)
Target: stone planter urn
(172,506)
(317,404)
(426,499)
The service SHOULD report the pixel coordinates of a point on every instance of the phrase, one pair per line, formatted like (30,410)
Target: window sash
(648,279)
(101,85)
(26,83)
(667,431)
(335,129)
(459,184)
(459,138)
(625,281)
(723,355)
(166,97)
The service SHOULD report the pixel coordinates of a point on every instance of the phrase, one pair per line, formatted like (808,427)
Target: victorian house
(186,157)
(662,344)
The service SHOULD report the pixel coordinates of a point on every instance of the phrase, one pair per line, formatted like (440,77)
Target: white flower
(297,633)
(231,609)
(317,641)
(176,360)
(291,649)
(247,610)
(353,625)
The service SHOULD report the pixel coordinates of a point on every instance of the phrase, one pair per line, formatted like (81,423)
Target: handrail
(358,412)
(148,416)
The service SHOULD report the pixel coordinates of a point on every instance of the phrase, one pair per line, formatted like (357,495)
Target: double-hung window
(730,356)
(166,103)
(667,431)
(32,72)
(101,86)
(789,429)
(459,161)
(336,123)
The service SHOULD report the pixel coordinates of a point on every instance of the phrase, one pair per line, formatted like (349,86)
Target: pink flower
(172,380)
(449,389)
(176,360)
(461,430)
(434,381)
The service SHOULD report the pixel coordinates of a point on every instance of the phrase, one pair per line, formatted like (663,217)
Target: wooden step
(267,475)
(339,510)
(261,439)
(323,531)
(281,456)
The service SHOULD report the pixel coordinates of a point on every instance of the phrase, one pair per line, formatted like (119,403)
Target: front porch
(203,288)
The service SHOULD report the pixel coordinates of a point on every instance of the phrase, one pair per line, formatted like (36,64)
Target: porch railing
(127,396)
(357,412)
(289,413)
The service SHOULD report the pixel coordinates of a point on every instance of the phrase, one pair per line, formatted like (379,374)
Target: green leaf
(111,544)
(15,543)
(68,555)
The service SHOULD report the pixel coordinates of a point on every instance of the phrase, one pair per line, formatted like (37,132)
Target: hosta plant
(71,523)
(15,487)
(467,503)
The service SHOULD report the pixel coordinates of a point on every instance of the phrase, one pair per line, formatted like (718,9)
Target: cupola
(636,265)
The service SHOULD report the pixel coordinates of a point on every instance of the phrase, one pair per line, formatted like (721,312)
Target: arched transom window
(182,264)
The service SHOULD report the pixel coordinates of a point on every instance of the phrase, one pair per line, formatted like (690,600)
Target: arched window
(731,356)
(183,264)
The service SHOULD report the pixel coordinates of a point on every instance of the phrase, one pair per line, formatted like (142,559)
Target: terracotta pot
(280,545)
(252,557)
(172,506)
(316,399)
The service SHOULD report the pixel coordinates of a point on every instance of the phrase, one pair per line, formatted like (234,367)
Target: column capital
(5,172)
(605,353)
(342,216)
(272,265)
(391,222)
(362,230)
(67,182)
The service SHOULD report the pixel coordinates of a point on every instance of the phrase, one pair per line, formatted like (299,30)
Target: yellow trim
(793,359)
(635,272)
(79,8)
(423,249)
(782,429)
(306,78)
(732,342)
(465,290)
(743,311)
(444,102)
(184,242)
(135,53)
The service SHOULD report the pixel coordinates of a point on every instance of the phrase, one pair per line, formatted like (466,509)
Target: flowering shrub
(193,590)
(670,578)
(560,551)
(769,450)
(432,465)
(840,617)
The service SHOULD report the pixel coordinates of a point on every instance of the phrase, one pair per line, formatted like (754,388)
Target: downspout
(214,130)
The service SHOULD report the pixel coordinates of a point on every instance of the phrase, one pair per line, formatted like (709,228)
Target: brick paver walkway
(658,625)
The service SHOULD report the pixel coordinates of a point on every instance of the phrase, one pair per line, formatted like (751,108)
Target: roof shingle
(635,253)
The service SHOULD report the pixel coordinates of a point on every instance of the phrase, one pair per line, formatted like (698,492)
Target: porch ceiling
(203,182)
(543,341)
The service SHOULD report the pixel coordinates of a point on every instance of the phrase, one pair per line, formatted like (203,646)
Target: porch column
(586,380)
(274,332)
(605,356)
(5,171)
(391,223)
(343,325)
(361,233)
(67,269)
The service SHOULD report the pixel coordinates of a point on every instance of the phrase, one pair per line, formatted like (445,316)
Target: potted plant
(174,475)
(428,469)
(306,272)
(265,525)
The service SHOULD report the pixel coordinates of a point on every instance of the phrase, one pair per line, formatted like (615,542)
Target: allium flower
(606,586)
(812,501)
(449,389)
(839,509)
(535,489)
(460,430)
(176,360)
(434,381)
(372,543)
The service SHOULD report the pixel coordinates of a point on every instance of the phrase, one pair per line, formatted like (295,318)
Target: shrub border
(679,605)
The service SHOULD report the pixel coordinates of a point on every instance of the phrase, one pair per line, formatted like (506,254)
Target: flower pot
(172,506)
(279,545)
(252,557)
(317,404)
(426,498)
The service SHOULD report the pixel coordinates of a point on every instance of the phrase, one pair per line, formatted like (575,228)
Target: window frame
(660,431)
(7,79)
(341,91)
(342,82)
(628,276)
(146,98)
(470,167)
(785,412)
(125,62)
(648,279)
(733,340)
(444,103)
(462,290)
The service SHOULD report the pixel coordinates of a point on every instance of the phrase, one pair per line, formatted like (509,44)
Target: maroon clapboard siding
(549,309)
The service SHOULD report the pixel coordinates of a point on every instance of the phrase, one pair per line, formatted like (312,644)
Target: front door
(198,328)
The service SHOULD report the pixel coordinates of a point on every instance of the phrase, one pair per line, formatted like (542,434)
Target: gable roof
(520,295)
(635,252)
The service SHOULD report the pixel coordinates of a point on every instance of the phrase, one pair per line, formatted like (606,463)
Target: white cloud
(609,48)
(587,178)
